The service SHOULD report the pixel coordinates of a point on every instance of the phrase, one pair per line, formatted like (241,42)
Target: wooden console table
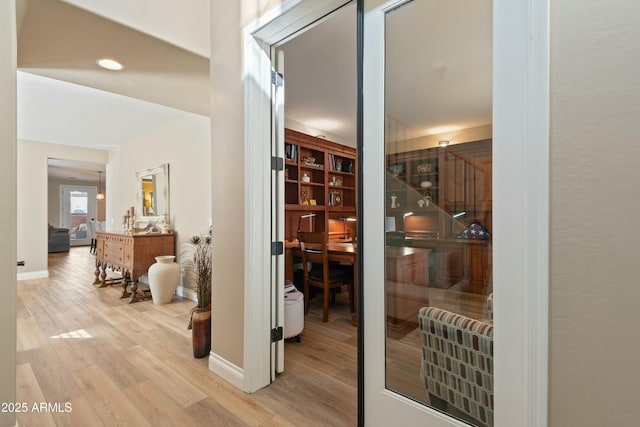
(132,254)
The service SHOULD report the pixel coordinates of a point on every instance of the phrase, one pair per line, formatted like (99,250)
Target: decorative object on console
(199,265)
(164,276)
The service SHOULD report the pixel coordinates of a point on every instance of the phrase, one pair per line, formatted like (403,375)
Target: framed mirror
(153,195)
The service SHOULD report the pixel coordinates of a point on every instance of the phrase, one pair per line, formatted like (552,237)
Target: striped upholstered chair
(457,362)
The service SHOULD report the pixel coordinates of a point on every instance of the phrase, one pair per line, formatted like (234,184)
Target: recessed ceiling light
(110,64)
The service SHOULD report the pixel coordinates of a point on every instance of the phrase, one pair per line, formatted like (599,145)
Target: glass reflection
(438,198)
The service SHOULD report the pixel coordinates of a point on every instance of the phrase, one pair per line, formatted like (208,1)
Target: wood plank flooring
(132,364)
(125,364)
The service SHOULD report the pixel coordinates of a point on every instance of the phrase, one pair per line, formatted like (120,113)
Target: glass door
(428,212)
(78,206)
(475,198)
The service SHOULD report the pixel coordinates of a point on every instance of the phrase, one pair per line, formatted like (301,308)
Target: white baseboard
(226,370)
(27,275)
(187,293)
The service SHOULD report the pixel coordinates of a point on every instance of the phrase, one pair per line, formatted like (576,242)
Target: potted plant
(198,266)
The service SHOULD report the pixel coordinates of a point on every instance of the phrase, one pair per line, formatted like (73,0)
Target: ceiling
(65,170)
(63,42)
(320,76)
(439,73)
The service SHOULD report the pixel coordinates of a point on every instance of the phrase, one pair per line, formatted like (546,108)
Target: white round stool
(293,314)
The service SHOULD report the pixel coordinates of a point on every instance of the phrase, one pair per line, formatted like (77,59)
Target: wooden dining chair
(320,272)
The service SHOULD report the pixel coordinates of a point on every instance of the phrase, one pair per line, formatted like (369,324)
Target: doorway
(508,93)
(320,56)
(320,109)
(72,188)
(77,208)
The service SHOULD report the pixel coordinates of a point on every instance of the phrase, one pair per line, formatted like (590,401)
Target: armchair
(58,239)
(457,362)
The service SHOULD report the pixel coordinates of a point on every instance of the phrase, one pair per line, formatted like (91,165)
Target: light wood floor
(132,364)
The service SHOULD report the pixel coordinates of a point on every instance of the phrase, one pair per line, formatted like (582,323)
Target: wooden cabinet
(132,254)
(407,285)
(467,180)
(463,261)
(413,180)
(425,188)
(440,182)
(320,186)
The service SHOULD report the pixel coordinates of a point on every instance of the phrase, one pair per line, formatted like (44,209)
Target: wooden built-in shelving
(320,179)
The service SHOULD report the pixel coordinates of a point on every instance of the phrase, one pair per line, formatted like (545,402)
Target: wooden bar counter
(132,254)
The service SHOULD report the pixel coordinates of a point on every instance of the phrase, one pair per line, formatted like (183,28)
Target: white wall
(34,196)
(184,144)
(7,209)
(595,242)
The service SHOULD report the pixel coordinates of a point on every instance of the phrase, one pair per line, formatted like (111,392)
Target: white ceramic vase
(164,276)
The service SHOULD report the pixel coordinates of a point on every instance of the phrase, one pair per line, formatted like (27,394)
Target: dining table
(347,253)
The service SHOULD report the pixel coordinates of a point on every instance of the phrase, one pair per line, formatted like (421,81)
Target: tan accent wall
(595,242)
(8,256)
(229,201)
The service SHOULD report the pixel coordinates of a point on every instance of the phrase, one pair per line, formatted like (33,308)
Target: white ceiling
(59,112)
(320,76)
(66,170)
(63,42)
(440,78)
(439,66)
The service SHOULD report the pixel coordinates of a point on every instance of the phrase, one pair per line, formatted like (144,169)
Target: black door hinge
(277,334)
(277,248)
(277,163)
